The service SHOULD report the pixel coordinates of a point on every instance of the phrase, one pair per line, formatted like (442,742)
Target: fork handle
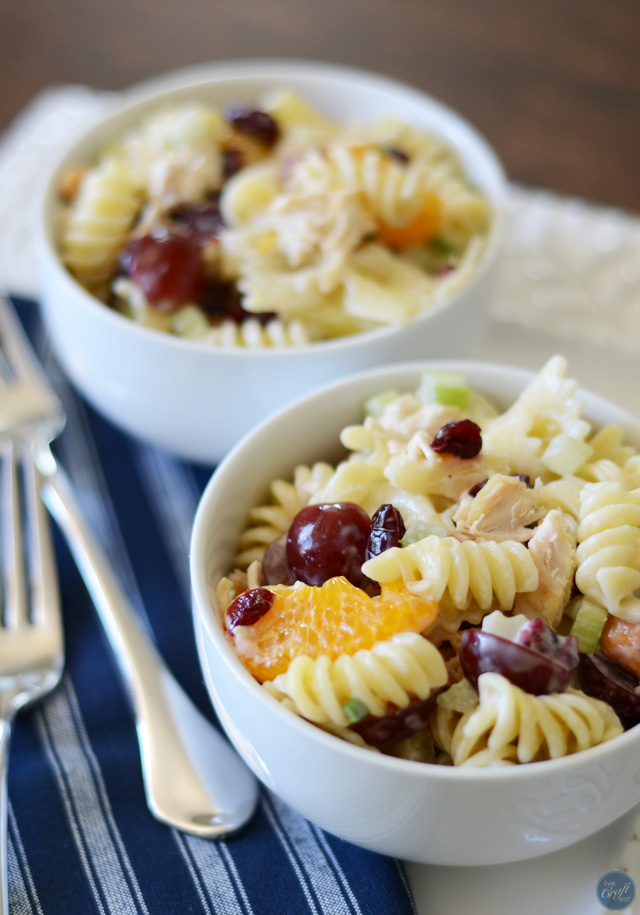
(193,778)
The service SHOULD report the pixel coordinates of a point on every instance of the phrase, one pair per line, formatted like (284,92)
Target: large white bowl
(426,813)
(187,396)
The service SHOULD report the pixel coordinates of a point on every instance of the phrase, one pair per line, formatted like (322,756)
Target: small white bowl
(197,400)
(415,811)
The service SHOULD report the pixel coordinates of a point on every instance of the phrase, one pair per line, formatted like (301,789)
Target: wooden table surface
(553,84)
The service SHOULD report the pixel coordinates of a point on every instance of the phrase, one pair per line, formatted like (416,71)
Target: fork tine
(16,598)
(42,572)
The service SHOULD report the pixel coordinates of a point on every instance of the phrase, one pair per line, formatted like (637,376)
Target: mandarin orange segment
(331,619)
(418,231)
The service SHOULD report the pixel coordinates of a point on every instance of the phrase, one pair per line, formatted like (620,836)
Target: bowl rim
(205,617)
(147,92)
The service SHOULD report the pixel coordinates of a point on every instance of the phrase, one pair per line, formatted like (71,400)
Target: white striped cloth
(81,839)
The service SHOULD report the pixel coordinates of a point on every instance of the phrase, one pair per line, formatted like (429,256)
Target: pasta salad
(271,226)
(459,589)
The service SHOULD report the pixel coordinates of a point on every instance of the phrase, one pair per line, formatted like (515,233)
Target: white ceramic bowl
(426,813)
(187,396)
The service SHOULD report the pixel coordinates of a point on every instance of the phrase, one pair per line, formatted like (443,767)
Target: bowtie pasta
(461,589)
(271,227)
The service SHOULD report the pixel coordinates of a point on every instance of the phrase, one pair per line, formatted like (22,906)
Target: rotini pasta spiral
(269,521)
(401,193)
(99,222)
(405,666)
(609,547)
(547,407)
(563,495)
(254,335)
(489,573)
(540,727)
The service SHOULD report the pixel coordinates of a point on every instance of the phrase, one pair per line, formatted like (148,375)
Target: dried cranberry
(255,123)
(476,489)
(461,438)
(445,270)
(199,222)
(167,268)
(399,724)
(232,162)
(398,154)
(249,607)
(221,301)
(387,530)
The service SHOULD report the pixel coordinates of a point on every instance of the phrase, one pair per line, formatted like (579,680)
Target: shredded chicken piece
(553,549)
(502,510)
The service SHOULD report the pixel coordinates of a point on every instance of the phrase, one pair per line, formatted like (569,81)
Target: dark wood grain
(553,84)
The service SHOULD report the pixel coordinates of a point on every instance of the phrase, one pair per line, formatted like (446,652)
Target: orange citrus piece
(421,229)
(332,619)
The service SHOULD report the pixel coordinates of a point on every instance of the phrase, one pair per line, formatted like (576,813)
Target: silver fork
(31,640)
(193,778)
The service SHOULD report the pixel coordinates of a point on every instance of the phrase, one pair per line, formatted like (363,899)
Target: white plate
(564,883)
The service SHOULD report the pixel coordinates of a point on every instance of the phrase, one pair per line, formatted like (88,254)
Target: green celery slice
(446,388)
(355,710)
(418,530)
(375,405)
(588,623)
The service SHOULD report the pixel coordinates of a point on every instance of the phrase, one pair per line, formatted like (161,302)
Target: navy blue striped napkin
(81,839)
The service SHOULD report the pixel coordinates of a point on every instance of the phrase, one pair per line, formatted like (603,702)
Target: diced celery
(446,388)
(588,624)
(439,246)
(191,322)
(376,404)
(418,530)
(355,710)
(565,454)
(458,698)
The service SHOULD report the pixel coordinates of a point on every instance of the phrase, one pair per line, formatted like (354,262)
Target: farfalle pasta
(458,589)
(271,226)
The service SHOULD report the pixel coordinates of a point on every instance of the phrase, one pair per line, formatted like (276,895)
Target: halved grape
(398,725)
(328,540)
(483,652)
(274,563)
(167,268)
(255,123)
(603,679)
